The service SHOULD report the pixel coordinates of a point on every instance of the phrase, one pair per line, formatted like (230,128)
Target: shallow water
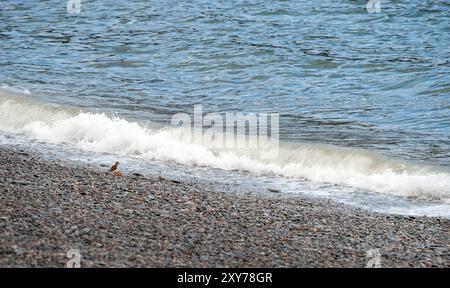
(336,74)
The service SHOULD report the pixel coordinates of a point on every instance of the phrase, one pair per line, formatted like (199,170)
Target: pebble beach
(48,207)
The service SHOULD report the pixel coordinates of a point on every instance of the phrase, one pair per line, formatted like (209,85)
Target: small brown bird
(114,167)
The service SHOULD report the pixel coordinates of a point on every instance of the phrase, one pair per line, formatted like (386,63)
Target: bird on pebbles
(115,170)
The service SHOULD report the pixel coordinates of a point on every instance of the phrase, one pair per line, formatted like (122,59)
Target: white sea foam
(101,133)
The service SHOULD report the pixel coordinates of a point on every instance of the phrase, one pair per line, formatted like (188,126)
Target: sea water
(363,98)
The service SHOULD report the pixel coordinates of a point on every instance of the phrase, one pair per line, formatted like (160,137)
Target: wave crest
(101,133)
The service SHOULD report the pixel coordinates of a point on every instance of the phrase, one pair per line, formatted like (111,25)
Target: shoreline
(49,207)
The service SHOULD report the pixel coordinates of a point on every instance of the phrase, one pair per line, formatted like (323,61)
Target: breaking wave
(98,132)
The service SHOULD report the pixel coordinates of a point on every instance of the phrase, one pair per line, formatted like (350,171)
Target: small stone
(18,182)
(17,250)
